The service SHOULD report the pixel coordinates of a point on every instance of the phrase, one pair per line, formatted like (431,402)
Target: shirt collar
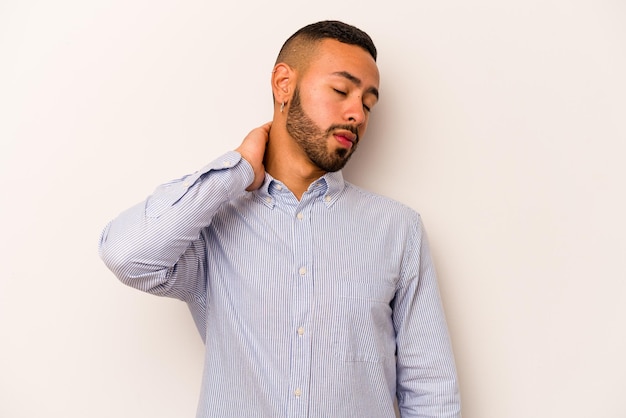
(328,187)
(334,185)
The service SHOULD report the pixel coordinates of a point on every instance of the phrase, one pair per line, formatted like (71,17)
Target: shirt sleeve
(427,385)
(157,246)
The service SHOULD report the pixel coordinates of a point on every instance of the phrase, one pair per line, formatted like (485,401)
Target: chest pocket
(363,330)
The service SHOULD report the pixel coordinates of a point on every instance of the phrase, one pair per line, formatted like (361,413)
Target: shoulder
(379,205)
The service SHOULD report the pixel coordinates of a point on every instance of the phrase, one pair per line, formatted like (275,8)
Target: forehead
(333,57)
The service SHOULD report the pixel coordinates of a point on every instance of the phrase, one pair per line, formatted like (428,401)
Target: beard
(313,140)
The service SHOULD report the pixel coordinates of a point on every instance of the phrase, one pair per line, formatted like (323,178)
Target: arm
(426,375)
(156,246)
(143,244)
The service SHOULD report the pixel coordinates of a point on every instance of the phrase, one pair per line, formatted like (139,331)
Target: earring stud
(282,107)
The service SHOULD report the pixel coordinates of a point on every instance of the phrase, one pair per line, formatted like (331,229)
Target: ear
(283,82)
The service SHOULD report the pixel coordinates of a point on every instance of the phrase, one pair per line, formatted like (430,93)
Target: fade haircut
(297,50)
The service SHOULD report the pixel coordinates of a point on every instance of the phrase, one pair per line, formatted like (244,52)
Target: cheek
(363,127)
(324,115)
(318,103)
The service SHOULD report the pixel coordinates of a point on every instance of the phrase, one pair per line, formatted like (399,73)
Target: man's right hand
(252,149)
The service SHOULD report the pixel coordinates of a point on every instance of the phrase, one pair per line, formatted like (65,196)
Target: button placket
(302,303)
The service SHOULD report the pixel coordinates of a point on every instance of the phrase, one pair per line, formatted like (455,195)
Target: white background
(502,123)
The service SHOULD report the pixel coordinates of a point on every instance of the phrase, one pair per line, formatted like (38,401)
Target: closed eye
(343,93)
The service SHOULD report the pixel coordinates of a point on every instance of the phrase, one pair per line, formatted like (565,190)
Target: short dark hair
(328,29)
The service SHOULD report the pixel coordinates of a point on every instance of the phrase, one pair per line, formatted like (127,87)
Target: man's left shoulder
(380,204)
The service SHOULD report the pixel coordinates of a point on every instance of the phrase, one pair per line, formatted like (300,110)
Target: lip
(345,138)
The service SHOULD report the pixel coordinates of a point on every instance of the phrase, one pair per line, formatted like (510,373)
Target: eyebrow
(356,81)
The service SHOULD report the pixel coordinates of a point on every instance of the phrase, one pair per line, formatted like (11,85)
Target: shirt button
(297,392)
(299,215)
(301,331)
(327,198)
(186,184)
(226,164)
(279,187)
(268,199)
(302,271)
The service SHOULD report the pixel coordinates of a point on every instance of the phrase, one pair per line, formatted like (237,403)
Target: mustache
(350,128)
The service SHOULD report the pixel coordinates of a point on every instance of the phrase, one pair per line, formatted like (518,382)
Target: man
(314,297)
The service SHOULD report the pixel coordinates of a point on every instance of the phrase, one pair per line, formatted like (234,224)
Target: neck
(285,161)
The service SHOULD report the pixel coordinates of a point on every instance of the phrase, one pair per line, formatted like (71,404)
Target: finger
(266,126)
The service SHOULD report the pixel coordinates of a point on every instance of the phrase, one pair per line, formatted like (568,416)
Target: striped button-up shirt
(327,306)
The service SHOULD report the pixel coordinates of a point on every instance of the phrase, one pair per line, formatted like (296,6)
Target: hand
(252,149)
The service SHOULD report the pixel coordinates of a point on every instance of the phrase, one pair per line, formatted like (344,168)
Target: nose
(355,113)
